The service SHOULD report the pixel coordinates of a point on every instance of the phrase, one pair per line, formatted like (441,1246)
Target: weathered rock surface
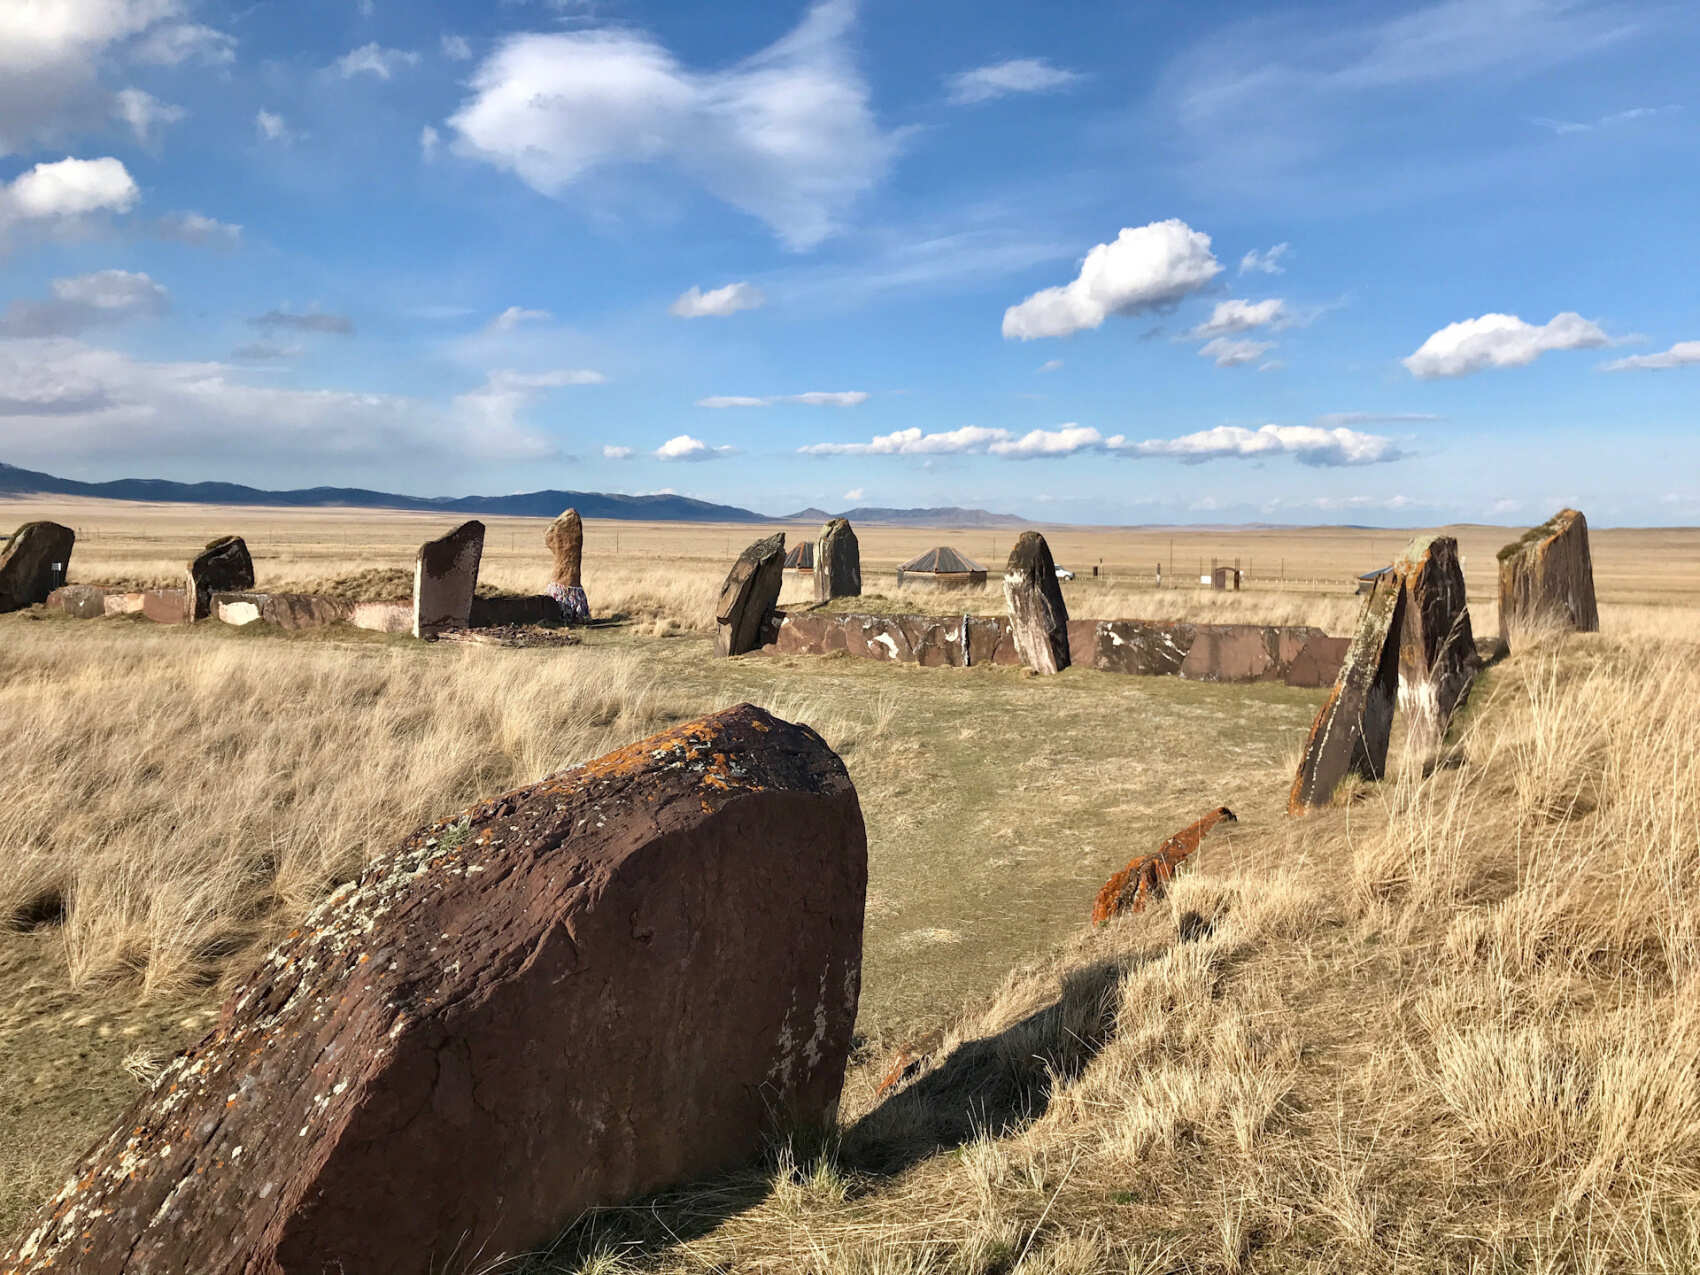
(286,610)
(383,617)
(1318,662)
(222,567)
(1147,876)
(535,608)
(751,589)
(1547,578)
(1353,727)
(445,579)
(565,539)
(1038,615)
(125,603)
(80,601)
(616,979)
(1437,648)
(34,564)
(166,606)
(838,562)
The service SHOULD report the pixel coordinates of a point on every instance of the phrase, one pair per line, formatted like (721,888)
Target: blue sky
(1130,263)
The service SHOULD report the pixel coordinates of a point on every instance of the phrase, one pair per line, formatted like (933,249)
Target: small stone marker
(445,576)
(1038,616)
(1547,578)
(35,563)
(565,539)
(623,977)
(222,567)
(838,562)
(749,594)
(1147,876)
(1437,647)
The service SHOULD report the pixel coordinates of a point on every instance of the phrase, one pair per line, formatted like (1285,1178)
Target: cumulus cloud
(1227,353)
(429,140)
(1146,268)
(1268,262)
(855,494)
(718,303)
(311,321)
(1230,317)
(514,315)
(684,447)
(496,409)
(787,135)
(272,127)
(1019,75)
(144,113)
(913,442)
(456,48)
(1307,444)
(612,451)
(813,398)
(68,188)
(1500,340)
(193,228)
(374,59)
(178,42)
(81,302)
(1682,354)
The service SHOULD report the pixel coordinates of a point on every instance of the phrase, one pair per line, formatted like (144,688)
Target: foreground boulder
(565,539)
(838,562)
(749,594)
(1147,876)
(34,564)
(445,576)
(1437,648)
(1038,616)
(222,567)
(1547,578)
(619,978)
(1355,724)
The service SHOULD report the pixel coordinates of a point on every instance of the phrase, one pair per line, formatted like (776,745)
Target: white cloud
(193,228)
(144,112)
(855,495)
(1268,262)
(1146,268)
(611,451)
(1019,75)
(1230,317)
(787,135)
(68,188)
(456,49)
(1065,440)
(81,302)
(1050,365)
(1500,340)
(272,127)
(694,303)
(1227,353)
(1682,354)
(912,442)
(181,42)
(374,59)
(813,398)
(1564,127)
(496,408)
(1308,444)
(684,447)
(1273,365)
(429,139)
(514,315)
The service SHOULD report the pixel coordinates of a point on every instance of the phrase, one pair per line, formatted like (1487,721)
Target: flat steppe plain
(178,797)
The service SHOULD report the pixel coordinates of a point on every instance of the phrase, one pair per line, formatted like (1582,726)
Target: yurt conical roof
(942,561)
(802,556)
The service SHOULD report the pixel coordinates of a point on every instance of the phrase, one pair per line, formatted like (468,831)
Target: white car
(1063,573)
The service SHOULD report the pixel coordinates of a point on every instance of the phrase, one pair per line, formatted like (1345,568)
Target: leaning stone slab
(166,606)
(79,601)
(1038,616)
(838,562)
(620,978)
(445,579)
(1147,876)
(1353,728)
(34,564)
(751,589)
(1437,648)
(222,567)
(1547,578)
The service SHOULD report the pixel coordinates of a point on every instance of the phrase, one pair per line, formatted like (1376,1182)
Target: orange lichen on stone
(1146,876)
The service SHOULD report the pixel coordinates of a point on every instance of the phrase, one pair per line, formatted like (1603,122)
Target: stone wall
(1294,655)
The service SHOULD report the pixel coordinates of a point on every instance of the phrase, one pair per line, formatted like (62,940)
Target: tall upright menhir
(36,561)
(838,562)
(1546,579)
(1038,616)
(565,539)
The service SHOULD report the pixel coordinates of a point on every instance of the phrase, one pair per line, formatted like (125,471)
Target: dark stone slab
(1437,647)
(34,564)
(224,566)
(1038,616)
(445,579)
(748,596)
(838,562)
(1547,578)
(537,608)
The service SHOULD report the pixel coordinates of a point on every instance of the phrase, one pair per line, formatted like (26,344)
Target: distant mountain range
(531,504)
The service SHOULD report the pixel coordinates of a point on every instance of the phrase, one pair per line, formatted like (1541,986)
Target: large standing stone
(750,592)
(565,539)
(1547,578)
(619,978)
(1038,616)
(1437,649)
(34,564)
(1353,728)
(838,562)
(222,567)
(445,576)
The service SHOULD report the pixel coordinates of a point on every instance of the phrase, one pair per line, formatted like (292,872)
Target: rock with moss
(34,564)
(626,976)
(1038,616)
(1437,646)
(1546,579)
